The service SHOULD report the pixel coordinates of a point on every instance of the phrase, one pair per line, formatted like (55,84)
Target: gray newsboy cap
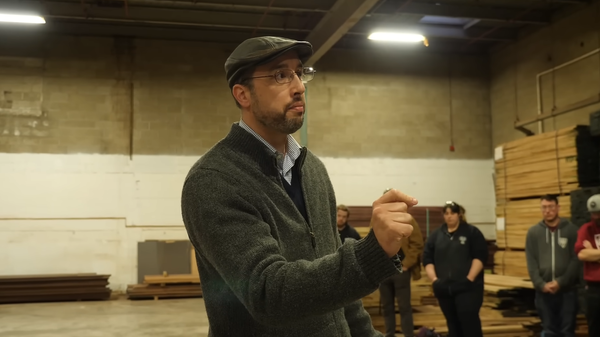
(260,50)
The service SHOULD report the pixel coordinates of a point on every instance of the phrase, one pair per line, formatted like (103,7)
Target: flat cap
(260,50)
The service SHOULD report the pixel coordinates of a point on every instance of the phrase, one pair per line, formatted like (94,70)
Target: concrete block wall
(514,71)
(97,134)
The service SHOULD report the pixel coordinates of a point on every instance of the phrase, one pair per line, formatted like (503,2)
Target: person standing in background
(344,229)
(553,268)
(398,286)
(587,249)
(454,257)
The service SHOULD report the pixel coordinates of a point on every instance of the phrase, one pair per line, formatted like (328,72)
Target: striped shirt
(285,163)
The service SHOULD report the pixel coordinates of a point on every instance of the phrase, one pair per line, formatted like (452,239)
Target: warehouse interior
(106,105)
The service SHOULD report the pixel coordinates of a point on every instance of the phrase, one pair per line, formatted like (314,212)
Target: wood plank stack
(54,288)
(511,263)
(166,286)
(518,216)
(556,162)
(508,310)
(169,286)
(550,163)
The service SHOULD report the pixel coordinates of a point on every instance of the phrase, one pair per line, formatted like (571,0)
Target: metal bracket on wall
(526,131)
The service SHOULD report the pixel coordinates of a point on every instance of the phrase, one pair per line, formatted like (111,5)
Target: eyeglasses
(283,76)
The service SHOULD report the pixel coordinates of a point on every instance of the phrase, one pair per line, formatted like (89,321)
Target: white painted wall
(86,213)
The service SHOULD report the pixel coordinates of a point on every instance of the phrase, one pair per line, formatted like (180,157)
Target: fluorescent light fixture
(29,19)
(396,37)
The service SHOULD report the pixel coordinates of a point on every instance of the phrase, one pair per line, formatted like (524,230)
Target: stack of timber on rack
(166,286)
(508,310)
(360,218)
(556,162)
(579,212)
(550,163)
(169,286)
(54,288)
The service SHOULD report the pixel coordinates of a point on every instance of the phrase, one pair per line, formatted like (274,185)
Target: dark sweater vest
(295,191)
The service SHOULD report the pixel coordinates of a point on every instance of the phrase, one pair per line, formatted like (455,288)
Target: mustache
(295,101)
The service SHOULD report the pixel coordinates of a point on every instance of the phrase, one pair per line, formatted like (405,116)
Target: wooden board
(511,263)
(538,165)
(519,216)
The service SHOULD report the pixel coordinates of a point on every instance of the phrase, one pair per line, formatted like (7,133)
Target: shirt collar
(293,148)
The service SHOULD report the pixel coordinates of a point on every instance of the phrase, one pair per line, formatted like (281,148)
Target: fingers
(393,196)
(394,207)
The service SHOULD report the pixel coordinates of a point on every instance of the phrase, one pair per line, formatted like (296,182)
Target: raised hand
(391,221)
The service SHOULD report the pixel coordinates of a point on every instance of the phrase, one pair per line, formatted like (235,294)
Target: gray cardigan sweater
(261,273)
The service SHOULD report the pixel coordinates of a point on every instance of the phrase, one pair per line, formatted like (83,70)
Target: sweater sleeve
(415,247)
(359,321)
(532,261)
(571,274)
(224,223)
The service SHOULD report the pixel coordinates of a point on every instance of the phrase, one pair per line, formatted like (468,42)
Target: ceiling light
(397,37)
(30,19)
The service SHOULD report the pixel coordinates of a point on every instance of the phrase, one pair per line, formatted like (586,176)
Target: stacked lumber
(166,286)
(54,288)
(511,263)
(549,163)
(514,219)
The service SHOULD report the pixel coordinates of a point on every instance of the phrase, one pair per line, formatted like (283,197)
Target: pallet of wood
(514,218)
(511,263)
(54,288)
(166,286)
(550,163)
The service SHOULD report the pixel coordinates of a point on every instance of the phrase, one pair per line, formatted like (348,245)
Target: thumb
(393,195)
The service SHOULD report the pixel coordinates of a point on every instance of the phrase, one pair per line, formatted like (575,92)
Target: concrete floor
(115,318)
(148,318)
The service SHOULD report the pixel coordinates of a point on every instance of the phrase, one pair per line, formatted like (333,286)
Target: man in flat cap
(260,211)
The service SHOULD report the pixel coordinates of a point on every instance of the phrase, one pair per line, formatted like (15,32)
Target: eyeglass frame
(278,71)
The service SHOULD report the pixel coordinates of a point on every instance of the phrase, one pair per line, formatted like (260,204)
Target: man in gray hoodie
(553,268)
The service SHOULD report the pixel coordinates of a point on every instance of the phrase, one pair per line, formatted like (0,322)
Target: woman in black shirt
(454,256)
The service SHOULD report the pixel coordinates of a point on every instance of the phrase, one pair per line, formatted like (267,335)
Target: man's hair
(549,197)
(245,80)
(344,208)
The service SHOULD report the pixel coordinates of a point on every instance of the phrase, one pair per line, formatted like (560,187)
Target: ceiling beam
(337,22)
(468,12)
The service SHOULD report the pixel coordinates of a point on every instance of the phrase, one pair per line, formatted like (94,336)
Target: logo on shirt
(462,239)
(562,242)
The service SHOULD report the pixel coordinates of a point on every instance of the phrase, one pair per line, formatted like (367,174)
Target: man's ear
(241,94)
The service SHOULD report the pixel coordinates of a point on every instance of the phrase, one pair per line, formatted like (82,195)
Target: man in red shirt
(587,249)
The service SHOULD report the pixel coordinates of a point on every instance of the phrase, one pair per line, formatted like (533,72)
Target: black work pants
(592,298)
(461,309)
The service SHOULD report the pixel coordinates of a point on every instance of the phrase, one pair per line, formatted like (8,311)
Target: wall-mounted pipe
(303,129)
(539,84)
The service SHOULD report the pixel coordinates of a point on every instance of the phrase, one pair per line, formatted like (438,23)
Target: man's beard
(275,119)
